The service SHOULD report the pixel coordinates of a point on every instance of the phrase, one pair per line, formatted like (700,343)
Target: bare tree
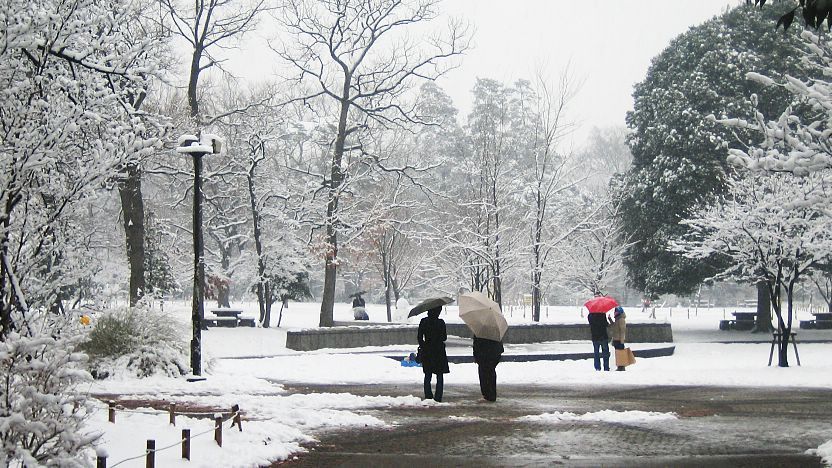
(358,58)
(551,178)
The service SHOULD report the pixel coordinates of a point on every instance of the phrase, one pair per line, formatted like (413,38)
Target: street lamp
(197,147)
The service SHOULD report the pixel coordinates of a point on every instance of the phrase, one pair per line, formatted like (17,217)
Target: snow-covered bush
(140,340)
(41,409)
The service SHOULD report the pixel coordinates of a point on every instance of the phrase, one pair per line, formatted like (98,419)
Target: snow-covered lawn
(248,366)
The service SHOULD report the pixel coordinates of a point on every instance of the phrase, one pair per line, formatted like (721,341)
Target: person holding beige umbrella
(486,321)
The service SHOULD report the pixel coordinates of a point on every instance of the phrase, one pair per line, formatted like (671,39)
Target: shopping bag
(624,357)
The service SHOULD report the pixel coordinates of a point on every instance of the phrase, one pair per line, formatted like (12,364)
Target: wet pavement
(716,427)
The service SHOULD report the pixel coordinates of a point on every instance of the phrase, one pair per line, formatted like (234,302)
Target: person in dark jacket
(432,336)
(600,340)
(487,355)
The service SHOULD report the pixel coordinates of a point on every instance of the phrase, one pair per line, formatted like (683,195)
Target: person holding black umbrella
(431,338)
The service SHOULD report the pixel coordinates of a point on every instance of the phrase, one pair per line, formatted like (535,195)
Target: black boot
(621,368)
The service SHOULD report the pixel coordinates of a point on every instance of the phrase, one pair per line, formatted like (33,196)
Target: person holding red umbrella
(598,322)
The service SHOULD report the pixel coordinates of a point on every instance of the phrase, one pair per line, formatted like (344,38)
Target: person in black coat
(600,340)
(432,336)
(487,355)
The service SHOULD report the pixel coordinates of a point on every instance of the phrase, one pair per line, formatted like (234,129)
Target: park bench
(223,317)
(821,320)
(227,322)
(246,321)
(741,321)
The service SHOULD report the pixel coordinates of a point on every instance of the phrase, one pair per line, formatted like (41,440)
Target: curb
(642,353)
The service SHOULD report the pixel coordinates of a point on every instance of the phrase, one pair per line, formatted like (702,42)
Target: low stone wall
(379,334)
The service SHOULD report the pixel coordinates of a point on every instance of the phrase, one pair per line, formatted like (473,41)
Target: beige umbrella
(482,315)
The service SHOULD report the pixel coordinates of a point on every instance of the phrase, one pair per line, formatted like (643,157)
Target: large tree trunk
(763,324)
(331,256)
(132,205)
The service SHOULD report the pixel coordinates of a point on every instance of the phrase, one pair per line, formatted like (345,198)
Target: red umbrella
(600,304)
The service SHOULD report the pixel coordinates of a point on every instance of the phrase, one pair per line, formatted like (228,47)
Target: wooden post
(172,413)
(100,457)
(151,454)
(186,444)
(235,410)
(111,411)
(218,429)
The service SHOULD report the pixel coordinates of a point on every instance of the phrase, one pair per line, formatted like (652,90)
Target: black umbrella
(428,304)
(359,293)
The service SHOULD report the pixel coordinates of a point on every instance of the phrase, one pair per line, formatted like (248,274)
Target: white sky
(607,43)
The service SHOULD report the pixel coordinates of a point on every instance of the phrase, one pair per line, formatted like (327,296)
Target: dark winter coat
(598,327)
(487,352)
(432,336)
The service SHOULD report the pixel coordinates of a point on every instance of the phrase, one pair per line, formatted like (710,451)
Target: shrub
(141,340)
(41,411)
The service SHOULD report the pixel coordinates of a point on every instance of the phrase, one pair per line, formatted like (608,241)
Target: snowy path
(281,420)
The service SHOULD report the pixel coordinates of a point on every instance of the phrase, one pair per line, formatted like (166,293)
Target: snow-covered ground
(248,366)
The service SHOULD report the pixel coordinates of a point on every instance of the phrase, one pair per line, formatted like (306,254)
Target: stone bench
(377,334)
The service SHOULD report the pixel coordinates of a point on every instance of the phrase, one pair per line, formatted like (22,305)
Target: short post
(101,457)
(151,454)
(218,429)
(172,413)
(111,411)
(186,444)
(235,410)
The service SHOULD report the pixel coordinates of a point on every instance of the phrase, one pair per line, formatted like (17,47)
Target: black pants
(437,395)
(488,380)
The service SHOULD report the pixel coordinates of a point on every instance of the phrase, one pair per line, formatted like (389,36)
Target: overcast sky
(607,43)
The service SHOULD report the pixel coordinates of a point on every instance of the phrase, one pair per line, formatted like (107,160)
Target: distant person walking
(431,338)
(487,355)
(618,330)
(600,340)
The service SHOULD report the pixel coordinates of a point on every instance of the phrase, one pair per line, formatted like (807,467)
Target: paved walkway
(721,427)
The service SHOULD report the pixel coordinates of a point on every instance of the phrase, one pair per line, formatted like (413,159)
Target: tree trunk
(763,323)
(280,314)
(132,205)
(387,292)
(385,266)
(267,315)
(336,177)
(535,296)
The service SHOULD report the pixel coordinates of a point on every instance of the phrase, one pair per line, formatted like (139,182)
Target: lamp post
(197,147)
